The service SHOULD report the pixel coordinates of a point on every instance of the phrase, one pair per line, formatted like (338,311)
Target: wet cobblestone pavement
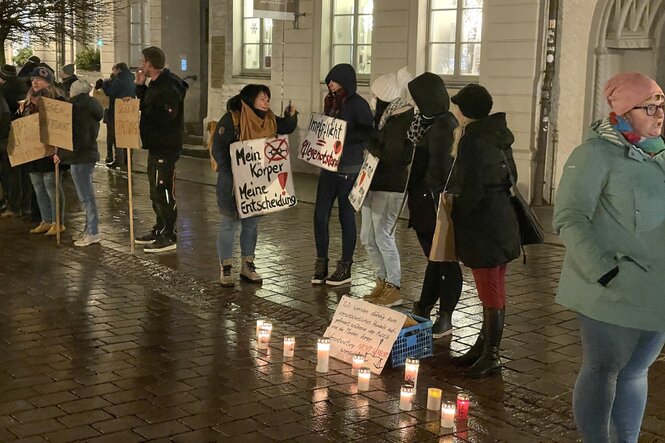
(99,345)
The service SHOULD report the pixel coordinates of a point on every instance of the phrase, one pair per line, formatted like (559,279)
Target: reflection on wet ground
(100,345)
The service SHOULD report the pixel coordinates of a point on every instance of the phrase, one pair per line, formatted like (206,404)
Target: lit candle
(264,337)
(405,397)
(462,406)
(448,415)
(322,354)
(357,362)
(289,346)
(434,399)
(363,378)
(259,323)
(411,371)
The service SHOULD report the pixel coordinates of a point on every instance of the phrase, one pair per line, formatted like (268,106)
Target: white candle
(322,354)
(289,346)
(363,378)
(411,371)
(434,399)
(405,397)
(448,415)
(259,323)
(264,337)
(356,362)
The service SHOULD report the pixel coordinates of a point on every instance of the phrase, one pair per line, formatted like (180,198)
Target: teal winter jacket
(610,212)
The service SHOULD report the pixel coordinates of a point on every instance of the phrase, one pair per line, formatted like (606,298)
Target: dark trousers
(161,177)
(17,187)
(112,152)
(443,280)
(333,185)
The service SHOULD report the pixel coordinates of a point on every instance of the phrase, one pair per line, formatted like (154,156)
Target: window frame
(362,78)
(457,78)
(262,72)
(136,47)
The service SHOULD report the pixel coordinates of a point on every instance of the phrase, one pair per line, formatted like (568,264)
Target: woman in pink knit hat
(610,214)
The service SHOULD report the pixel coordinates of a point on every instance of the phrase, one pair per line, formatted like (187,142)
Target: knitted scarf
(399,104)
(458,133)
(419,127)
(648,145)
(252,126)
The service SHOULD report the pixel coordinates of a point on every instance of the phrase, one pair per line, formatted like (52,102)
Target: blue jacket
(610,212)
(119,87)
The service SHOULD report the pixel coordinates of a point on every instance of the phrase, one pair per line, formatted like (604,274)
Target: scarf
(419,127)
(458,133)
(333,103)
(252,126)
(399,104)
(648,145)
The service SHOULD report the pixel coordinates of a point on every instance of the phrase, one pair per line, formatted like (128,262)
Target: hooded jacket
(432,159)
(120,87)
(358,116)
(86,114)
(162,122)
(486,228)
(609,212)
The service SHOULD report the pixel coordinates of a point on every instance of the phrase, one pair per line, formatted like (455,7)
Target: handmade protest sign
(364,179)
(323,142)
(126,120)
(55,123)
(24,143)
(262,179)
(359,327)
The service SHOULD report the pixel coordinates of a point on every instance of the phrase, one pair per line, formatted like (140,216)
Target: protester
(86,114)
(4,138)
(610,215)
(344,103)
(248,117)
(68,78)
(383,203)
(42,171)
(486,231)
(162,129)
(432,135)
(120,85)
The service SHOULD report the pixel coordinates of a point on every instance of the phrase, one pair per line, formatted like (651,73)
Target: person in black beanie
(486,228)
(432,134)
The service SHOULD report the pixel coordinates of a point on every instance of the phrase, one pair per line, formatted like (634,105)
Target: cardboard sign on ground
(359,327)
(24,142)
(55,123)
(323,142)
(262,179)
(126,121)
(364,179)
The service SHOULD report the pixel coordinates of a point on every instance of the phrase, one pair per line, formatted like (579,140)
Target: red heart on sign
(337,147)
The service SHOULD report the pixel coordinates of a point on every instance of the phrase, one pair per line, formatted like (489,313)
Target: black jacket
(119,87)
(67,83)
(432,159)
(5,122)
(394,151)
(14,90)
(358,117)
(163,114)
(486,229)
(86,114)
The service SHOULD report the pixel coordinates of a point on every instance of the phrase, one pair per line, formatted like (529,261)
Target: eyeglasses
(651,109)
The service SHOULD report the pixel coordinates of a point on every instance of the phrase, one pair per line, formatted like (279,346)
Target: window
(455,37)
(138,30)
(352,34)
(256,42)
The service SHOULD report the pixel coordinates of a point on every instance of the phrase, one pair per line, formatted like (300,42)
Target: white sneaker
(79,236)
(88,240)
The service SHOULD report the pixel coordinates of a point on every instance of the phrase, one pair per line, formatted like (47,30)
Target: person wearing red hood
(344,103)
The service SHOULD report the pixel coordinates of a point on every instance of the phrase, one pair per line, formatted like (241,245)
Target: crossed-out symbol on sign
(276,150)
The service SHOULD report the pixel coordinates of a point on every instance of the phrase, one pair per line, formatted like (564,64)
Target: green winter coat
(610,212)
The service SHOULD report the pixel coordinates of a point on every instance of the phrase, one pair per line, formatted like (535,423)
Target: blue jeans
(44,185)
(379,214)
(334,186)
(611,389)
(82,176)
(227,233)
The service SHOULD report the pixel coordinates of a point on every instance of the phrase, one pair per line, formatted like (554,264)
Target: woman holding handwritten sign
(249,117)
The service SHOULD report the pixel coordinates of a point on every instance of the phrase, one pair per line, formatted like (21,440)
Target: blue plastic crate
(412,342)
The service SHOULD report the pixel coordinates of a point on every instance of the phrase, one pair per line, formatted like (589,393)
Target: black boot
(489,361)
(473,354)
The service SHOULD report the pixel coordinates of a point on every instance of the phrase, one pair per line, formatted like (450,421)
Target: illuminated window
(352,34)
(138,30)
(256,42)
(454,39)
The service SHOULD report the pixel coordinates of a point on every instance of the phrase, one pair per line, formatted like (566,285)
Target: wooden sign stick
(131,200)
(57,204)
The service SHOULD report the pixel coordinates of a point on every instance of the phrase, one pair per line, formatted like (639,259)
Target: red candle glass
(463,401)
